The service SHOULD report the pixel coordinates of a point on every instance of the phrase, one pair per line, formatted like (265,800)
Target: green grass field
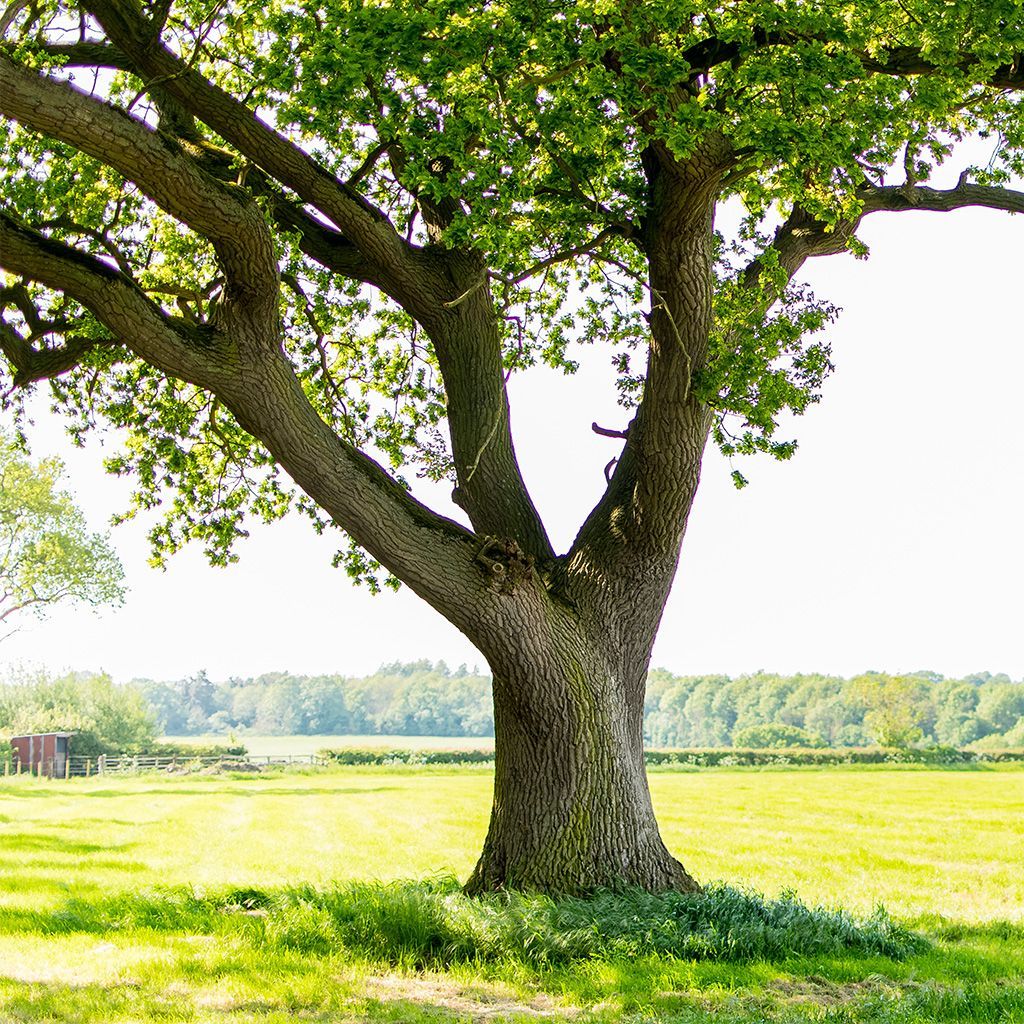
(92,930)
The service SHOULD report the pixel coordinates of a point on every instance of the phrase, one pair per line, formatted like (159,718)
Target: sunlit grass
(942,850)
(920,842)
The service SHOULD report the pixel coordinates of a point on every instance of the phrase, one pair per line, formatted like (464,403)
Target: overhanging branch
(160,166)
(900,198)
(803,236)
(136,321)
(897,61)
(87,55)
(394,260)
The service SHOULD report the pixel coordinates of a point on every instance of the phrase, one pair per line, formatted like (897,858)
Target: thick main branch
(168,343)
(433,555)
(491,489)
(158,165)
(392,258)
(803,236)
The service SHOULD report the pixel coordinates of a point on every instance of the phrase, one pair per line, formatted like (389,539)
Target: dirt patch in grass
(483,1003)
(822,992)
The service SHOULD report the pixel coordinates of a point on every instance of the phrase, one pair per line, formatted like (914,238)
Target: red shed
(43,753)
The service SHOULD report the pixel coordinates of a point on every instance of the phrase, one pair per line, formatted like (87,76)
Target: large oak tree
(319,237)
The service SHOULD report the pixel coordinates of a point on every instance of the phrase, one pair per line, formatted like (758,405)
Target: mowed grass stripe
(210,830)
(900,838)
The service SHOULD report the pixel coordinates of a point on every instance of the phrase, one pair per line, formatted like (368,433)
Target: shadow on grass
(48,885)
(101,1004)
(38,842)
(414,952)
(432,925)
(218,789)
(231,981)
(78,822)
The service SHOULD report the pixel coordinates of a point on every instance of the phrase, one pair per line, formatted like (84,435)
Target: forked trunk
(572,811)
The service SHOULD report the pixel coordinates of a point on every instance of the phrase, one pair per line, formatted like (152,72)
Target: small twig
(583,249)
(479,455)
(562,256)
(196,295)
(99,236)
(608,432)
(337,394)
(555,76)
(368,164)
(466,294)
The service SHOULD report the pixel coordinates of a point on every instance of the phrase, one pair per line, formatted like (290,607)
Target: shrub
(191,750)
(765,737)
(706,758)
(349,756)
(717,756)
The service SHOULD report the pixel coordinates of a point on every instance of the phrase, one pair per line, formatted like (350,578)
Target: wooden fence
(79,766)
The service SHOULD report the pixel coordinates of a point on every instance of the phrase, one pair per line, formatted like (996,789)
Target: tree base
(572,811)
(490,875)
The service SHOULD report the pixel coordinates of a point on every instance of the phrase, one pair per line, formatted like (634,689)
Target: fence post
(67,767)
(101,764)
(88,767)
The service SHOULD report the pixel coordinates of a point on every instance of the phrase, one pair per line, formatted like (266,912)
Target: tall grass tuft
(432,924)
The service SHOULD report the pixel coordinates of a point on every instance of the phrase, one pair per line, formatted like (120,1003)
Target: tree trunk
(572,811)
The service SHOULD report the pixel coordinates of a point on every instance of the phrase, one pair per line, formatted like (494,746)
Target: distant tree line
(767,710)
(416,699)
(761,710)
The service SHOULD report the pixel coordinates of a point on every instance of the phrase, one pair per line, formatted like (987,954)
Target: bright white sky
(892,540)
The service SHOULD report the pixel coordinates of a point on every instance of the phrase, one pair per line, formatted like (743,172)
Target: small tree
(105,718)
(894,707)
(47,554)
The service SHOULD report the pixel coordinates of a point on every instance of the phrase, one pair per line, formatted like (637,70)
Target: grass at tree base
(432,924)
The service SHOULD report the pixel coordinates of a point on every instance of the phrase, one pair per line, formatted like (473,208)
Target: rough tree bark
(571,810)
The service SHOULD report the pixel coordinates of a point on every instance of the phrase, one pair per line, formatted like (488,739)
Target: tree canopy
(47,554)
(352,174)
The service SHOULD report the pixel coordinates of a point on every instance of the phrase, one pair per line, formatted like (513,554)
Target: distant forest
(758,710)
